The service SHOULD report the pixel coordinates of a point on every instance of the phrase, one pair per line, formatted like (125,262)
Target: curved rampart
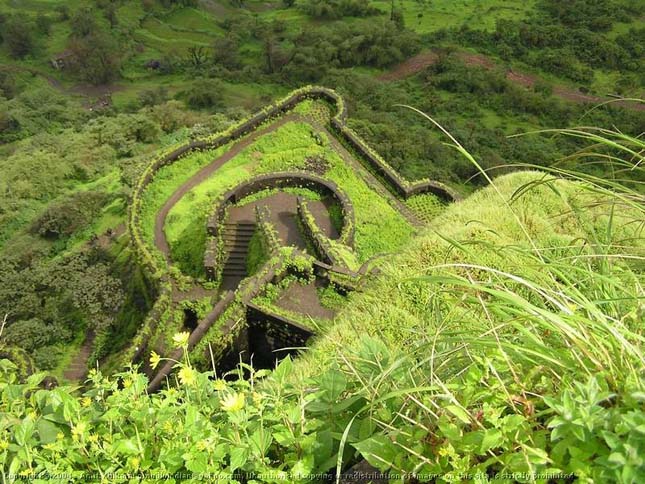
(286,179)
(158,269)
(292,179)
(403,187)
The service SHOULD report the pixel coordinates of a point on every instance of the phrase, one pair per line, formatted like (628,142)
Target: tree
(110,14)
(197,55)
(96,57)
(44,24)
(83,23)
(226,52)
(18,38)
(205,93)
(64,218)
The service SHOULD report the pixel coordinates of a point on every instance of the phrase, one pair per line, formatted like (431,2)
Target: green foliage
(49,302)
(426,206)
(97,57)
(377,43)
(334,9)
(205,93)
(256,256)
(63,219)
(18,37)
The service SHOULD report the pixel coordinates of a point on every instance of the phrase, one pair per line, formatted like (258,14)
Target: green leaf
(239,456)
(197,462)
(284,369)
(449,429)
(46,431)
(458,412)
(334,384)
(617,458)
(24,431)
(378,451)
(492,438)
(260,442)
(127,447)
(303,467)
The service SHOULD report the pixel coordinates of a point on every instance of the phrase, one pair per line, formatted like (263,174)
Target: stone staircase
(236,238)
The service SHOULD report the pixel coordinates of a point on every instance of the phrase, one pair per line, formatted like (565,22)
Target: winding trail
(203,174)
(77,369)
(419,62)
(299,299)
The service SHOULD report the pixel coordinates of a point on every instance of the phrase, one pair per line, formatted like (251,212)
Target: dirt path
(160,236)
(304,299)
(77,370)
(421,61)
(283,212)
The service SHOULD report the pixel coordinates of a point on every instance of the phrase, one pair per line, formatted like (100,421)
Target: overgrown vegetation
(503,341)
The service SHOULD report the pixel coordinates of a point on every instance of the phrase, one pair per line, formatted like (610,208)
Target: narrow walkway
(202,175)
(304,299)
(372,180)
(77,370)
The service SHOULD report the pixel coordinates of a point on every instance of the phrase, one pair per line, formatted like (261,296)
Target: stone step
(240,224)
(239,228)
(233,237)
(228,273)
(237,254)
(235,263)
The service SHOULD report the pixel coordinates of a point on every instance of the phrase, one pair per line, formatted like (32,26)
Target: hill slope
(505,339)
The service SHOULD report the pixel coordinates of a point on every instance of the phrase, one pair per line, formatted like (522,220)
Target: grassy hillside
(498,338)
(507,339)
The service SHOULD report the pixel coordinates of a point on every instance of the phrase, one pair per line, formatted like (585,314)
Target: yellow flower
(135,461)
(257,398)
(78,430)
(201,445)
(187,376)
(60,436)
(219,385)
(4,445)
(25,473)
(127,383)
(233,402)
(154,359)
(93,438)
(181,339)
(86,401)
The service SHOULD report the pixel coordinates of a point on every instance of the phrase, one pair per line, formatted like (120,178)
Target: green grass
(426,206)
(379,227)
(440,14)
(489,231)
(166,181)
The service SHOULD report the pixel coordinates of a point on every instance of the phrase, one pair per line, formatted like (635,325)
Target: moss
(257,256)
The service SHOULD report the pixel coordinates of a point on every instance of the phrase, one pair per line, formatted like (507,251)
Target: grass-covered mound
(507,339)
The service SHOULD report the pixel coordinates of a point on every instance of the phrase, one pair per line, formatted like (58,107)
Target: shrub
(65,218)
(205,93)
(18,37)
